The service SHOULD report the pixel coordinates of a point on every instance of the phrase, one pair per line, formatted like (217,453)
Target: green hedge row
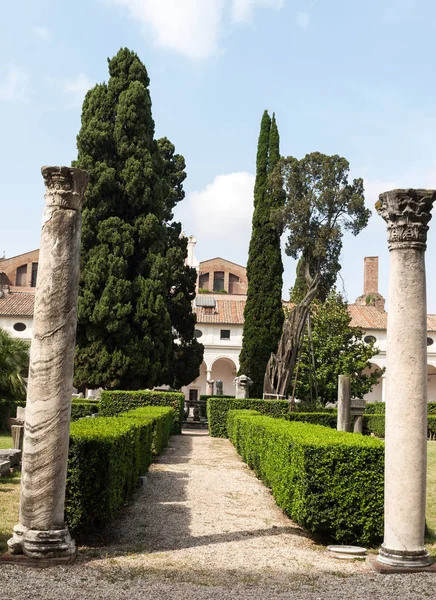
(106,457)
(218,407)
(83,409)
(376,424)
(378,408)
(113,403)
(330,482)
(163,419)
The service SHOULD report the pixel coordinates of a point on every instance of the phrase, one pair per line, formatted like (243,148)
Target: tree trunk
(280,367)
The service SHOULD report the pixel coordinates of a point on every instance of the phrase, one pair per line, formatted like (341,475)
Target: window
(34,274)
(370,339)
(21,277)
(20,327)
(203,282)
(218,281)
(225,334)
(198,333)
(430,342)
(233,284)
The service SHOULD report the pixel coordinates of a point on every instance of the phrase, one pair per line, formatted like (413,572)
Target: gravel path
(204,527)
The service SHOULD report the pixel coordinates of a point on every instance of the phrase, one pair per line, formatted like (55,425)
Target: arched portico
(224,369)
(431,381)
(377,393)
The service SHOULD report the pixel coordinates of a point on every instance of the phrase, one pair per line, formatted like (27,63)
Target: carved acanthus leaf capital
(407,213)
(65,186)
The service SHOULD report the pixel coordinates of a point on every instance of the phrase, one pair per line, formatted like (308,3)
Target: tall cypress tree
(124,336)
(187,352)
(263,313)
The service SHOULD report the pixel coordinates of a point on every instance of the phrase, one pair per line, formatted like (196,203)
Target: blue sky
(343,76)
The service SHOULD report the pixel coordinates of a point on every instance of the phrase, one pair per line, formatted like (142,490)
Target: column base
(53,543)
(407,559)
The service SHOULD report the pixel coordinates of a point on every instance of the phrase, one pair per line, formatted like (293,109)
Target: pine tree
(263,313)
(124,336)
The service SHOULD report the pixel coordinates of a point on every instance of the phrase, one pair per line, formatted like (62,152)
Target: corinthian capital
(64,186)
(407,213)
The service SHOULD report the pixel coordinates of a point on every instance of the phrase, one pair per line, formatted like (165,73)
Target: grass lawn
(5,441)
(9,500)
(431,495)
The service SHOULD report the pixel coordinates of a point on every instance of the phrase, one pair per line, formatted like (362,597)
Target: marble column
(41,532)
(407,213)
(344,403)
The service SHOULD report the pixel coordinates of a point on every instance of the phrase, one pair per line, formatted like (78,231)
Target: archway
(431,379)
(224,369)
(376,395)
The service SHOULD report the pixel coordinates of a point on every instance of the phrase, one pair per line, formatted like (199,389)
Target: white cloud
(242,10)
(76,88)
(43,32)
(220,217)
(14,85)
(303,20)
(191,27)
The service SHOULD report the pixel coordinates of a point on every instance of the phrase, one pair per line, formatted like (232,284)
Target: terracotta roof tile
(18,304)
(225,311)
(232,312)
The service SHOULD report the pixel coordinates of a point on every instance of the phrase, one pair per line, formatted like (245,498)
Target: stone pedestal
(406,213)
(344,403)
(41,532)
(357,412)
(242,384)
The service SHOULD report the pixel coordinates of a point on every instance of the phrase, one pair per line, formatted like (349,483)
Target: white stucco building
(219,306)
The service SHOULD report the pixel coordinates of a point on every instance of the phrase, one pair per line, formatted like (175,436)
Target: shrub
(83,409)
(218,407)
(162,418)
(374,423)
(106,457)
(116,402)
(329,481)
(375,408)
(379,408)
(431,427)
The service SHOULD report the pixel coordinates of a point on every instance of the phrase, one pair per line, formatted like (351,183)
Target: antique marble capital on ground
(41,532)
(407,213)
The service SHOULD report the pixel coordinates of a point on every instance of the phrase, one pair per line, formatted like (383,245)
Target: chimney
(370,277)
(191,259)
(371,295)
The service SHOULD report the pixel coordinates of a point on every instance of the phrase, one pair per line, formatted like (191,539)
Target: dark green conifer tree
(124,336)
(187,352)
(263,313)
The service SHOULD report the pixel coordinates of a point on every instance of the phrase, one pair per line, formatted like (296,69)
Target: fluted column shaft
(41,532)
(406,213)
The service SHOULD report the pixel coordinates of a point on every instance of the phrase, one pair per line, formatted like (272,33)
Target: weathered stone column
(344,403)
(41,532)
(407,213)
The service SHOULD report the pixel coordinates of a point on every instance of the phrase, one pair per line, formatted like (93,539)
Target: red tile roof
(231,312)
(226,311)
(18,304)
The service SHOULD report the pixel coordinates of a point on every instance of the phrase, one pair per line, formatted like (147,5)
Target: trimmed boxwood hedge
(106,457)
(329,481)
(113,403)
(379,408)
(163,418)
(83,409)
(376,424)
(218,407)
